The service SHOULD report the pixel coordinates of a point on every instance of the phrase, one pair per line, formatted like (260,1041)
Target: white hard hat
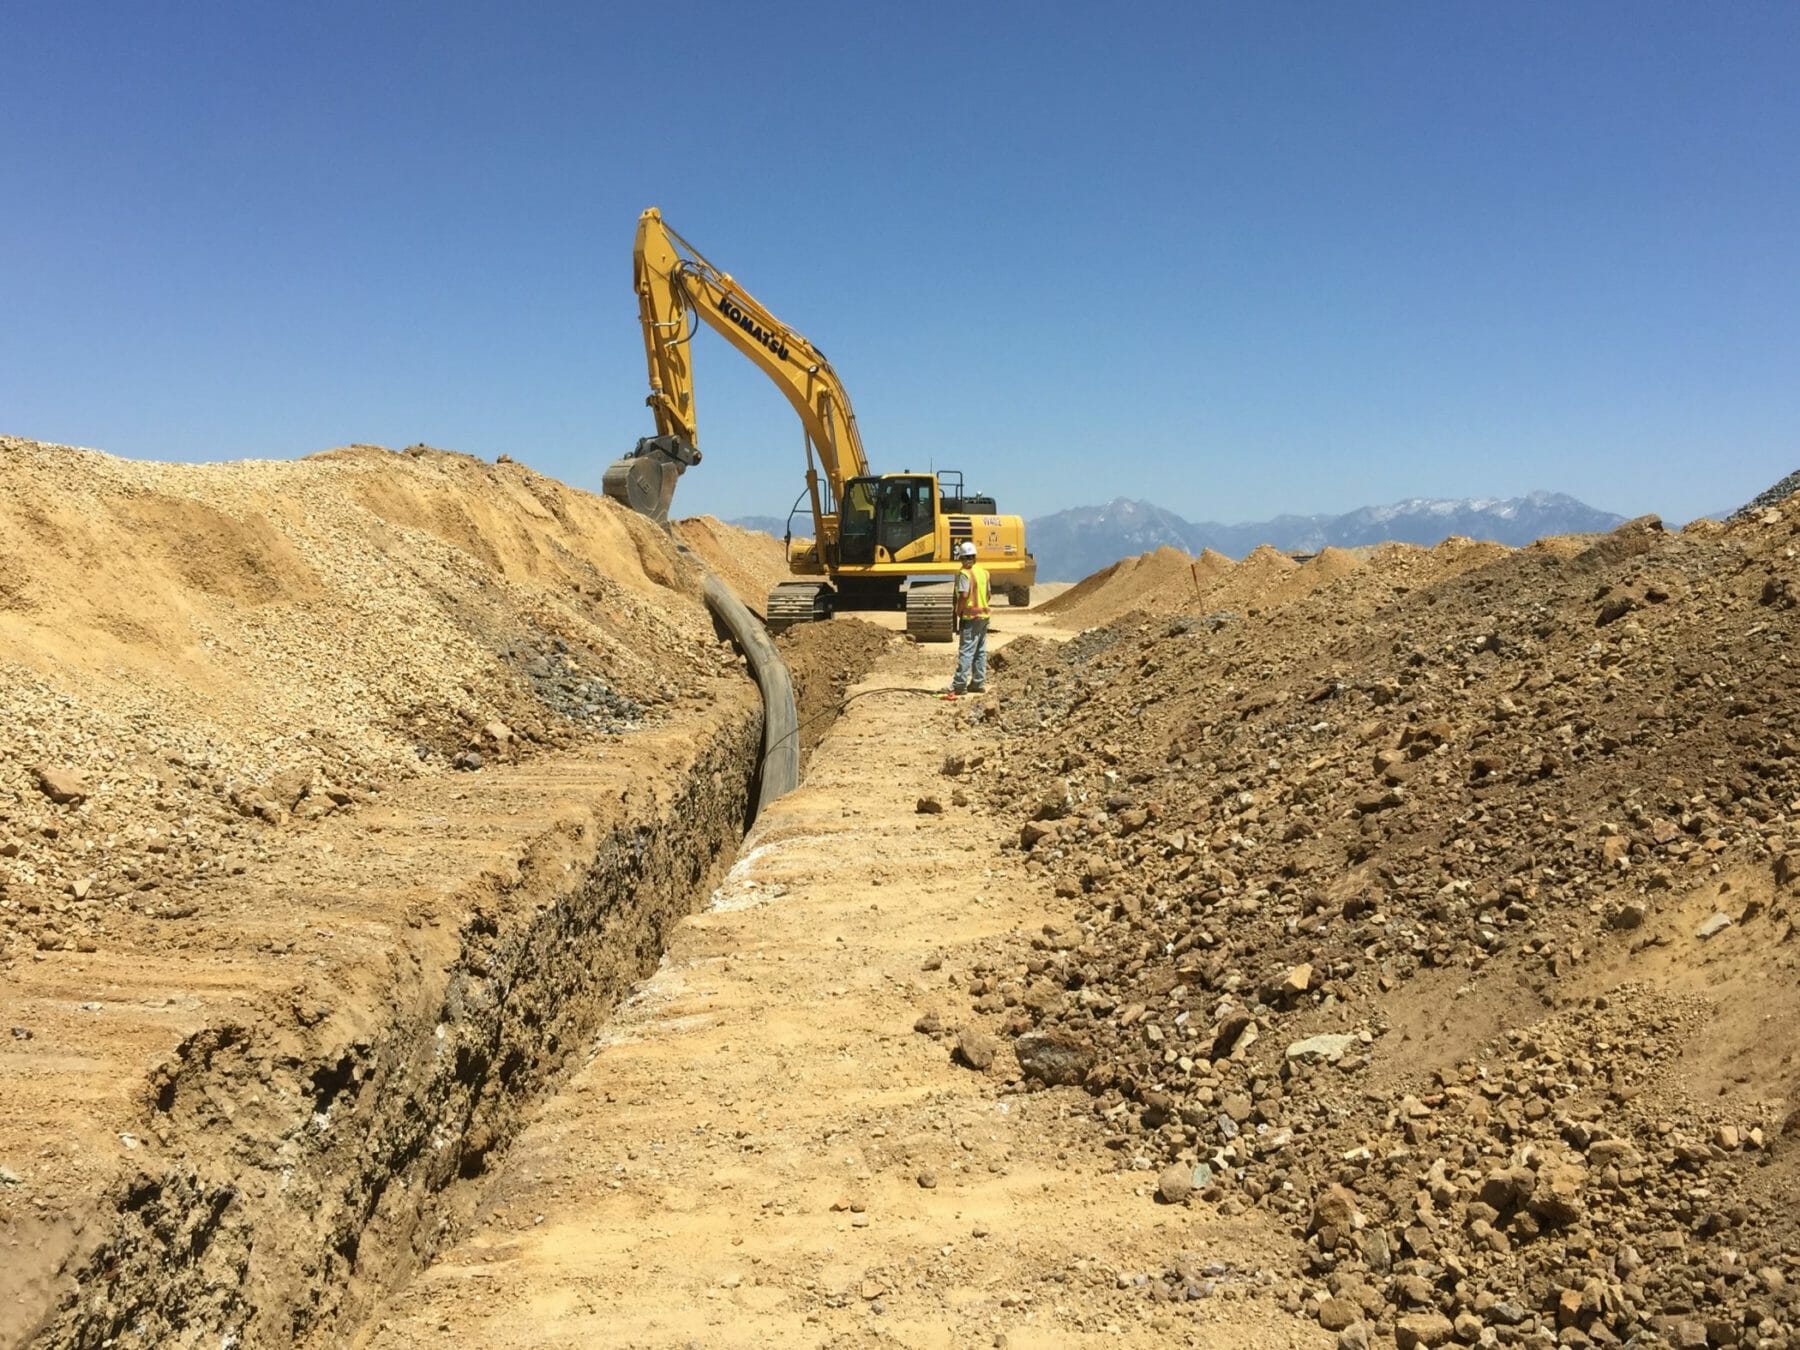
(966,549)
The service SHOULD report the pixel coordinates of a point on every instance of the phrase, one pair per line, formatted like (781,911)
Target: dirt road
(762,1150)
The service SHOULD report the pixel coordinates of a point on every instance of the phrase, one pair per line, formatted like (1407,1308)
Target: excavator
(879,541)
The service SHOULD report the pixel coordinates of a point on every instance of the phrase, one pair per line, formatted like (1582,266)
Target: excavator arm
(676,286)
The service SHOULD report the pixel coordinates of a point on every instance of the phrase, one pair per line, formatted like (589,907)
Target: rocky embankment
(339,800)
(195,657)
(1443,908)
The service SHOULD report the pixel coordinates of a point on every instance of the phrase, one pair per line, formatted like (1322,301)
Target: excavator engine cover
(645,479)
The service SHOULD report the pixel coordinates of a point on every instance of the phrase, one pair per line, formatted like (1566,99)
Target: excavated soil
(1169,581)
(1163,580)
(825,659)
(339,800)
(1442,910)
(1392,947)
(211,653)
(748,561)
(792,1136)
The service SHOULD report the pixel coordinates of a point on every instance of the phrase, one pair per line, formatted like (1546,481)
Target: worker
(972,612)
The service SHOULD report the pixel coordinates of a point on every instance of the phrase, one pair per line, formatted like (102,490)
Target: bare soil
(776,1143)
(1511,830)
(1383,948)
(749,562)
(339,799)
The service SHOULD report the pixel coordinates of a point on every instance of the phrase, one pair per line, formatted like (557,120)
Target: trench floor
(761,1150)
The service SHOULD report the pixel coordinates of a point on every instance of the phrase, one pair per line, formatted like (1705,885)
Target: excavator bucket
(645,479)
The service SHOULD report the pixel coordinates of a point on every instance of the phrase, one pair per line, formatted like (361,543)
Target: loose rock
(63,786)
(976,1049)
(1055,1061)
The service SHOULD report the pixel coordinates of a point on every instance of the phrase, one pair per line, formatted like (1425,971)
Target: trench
(315,1157)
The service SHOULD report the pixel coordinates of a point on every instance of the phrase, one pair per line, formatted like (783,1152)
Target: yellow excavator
(880,541)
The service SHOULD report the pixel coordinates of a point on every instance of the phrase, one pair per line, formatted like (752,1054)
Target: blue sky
(1234,259)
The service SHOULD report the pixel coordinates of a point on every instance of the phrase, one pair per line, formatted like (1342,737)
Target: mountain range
(1073,544)
(775,525)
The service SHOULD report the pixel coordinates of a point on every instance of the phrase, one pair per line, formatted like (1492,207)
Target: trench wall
(305,1154)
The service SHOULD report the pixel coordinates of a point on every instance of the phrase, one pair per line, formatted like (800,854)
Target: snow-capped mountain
(1072,544)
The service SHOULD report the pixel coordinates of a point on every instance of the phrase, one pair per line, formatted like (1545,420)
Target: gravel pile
(194,657)
(1445,911)
(1771,498)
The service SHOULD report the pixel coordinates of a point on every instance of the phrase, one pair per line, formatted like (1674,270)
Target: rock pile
(1387,901)
(1770,497)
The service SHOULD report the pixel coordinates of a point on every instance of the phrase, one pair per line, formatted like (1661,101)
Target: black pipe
(781,744)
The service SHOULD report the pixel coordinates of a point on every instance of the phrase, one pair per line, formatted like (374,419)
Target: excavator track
(795,602)
(931,611)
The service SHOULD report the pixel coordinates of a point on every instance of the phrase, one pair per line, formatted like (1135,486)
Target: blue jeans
(971,655)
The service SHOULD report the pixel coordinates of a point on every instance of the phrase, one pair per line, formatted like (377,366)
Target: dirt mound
(339,801)
(750,562)
(1251,585)
(825,659)
(1157,582)
(1447,911)
(1325,568)
(197,655)
(1170,582)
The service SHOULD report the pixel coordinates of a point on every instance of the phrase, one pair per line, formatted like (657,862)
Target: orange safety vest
(973,602)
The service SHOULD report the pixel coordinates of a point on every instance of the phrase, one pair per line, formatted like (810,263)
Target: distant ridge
(775,525)
(1073,544)
(1076,543)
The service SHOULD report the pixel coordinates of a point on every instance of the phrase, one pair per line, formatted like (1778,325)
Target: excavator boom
(676,288)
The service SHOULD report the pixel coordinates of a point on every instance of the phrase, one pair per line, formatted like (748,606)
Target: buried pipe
(781,741)
(424,1084)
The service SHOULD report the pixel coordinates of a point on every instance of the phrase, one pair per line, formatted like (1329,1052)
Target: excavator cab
(882,519)
(857,521)
(908,512)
